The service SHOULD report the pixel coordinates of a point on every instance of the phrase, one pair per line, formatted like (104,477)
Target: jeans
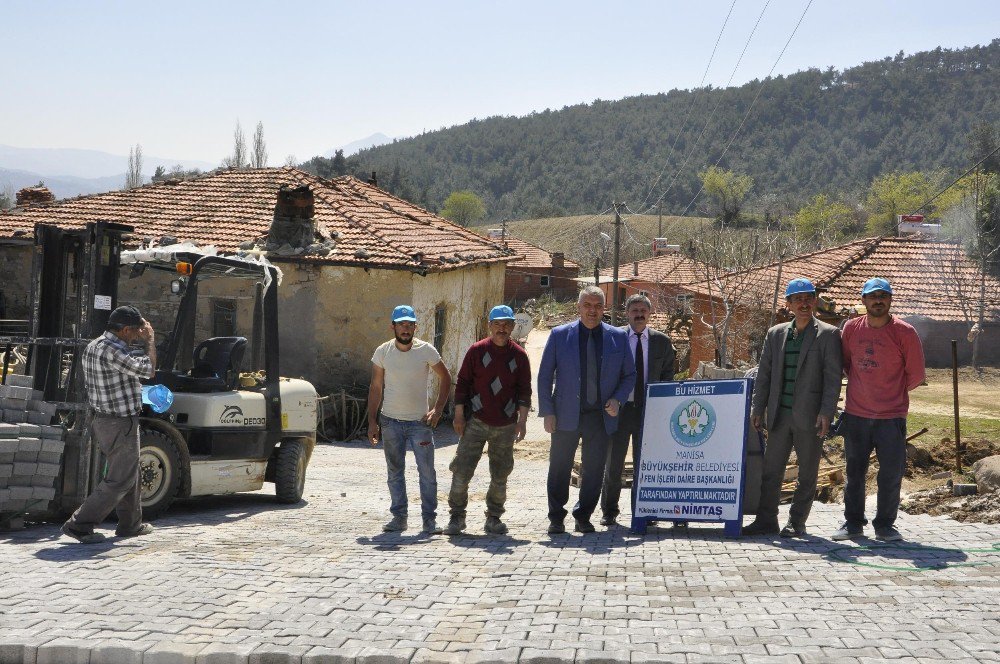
(467,456)
(780,441)
(629,426)
(888,439)
(595,450)
(397,436)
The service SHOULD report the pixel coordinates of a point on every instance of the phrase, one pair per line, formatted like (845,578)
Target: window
(644,293)
(527,278)
(685,304)
(223,318)
(544,280)
(439,325)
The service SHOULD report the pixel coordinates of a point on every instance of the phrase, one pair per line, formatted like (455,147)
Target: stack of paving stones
(31,448)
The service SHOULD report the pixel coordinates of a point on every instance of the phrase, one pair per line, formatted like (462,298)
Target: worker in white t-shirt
(399,385)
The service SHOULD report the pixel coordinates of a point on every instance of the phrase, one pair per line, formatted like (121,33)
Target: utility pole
(659,209)
(503,231)
(614,276)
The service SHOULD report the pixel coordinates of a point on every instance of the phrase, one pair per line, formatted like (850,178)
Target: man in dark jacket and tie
(794,398)
(586,373)
(654,363)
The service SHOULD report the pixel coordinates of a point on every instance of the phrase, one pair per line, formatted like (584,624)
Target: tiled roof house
(660,278)
(534,272)
(370,251)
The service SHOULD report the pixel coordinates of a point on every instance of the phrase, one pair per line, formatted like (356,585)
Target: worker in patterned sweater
(492,398)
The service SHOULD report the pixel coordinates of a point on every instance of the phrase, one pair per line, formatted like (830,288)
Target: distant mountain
(810,132)
(361,144)
(62,186)
(88,164)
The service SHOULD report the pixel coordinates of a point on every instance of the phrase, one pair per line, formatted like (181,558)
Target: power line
(760,89)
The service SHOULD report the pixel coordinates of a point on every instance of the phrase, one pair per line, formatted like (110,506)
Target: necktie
(592,389)
(640,374)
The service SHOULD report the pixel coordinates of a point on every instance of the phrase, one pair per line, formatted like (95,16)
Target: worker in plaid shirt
(112,371)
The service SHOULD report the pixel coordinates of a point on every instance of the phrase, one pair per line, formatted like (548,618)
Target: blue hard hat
(800,285)
(404,312)
(158,397)
(501,312)
(876,284)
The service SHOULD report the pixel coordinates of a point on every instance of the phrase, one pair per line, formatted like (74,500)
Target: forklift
(233,424)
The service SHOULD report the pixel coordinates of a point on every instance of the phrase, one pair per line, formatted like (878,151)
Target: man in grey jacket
(794,399)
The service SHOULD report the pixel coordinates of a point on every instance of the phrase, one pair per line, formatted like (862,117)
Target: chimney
(32,195)
(558,259)
(293,222)
(373,180)
(635,268)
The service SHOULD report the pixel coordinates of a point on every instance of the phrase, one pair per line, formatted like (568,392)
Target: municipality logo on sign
(692,423)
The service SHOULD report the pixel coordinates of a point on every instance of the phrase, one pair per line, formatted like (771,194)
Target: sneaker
(494,526)
(847,531)
(397,524)
(82,536)
(584,526)
(431,527)
(143,529)
(609,520)
(455,526)
(889,534)
(556,527)
(792,530)
(761,528)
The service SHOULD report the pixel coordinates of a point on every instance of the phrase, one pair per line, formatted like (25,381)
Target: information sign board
(691,466)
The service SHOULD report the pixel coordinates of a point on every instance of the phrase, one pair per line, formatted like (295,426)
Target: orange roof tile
(226,208)
(532,256)
(673,268)
(929,278)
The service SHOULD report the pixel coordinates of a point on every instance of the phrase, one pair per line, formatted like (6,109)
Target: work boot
(82,536)
(584,526)
(494,526)
(847,531)
(431,527)
(455,526)
(556,527)
(761,528)
(397,524)
(792,530)
(607,520)
(143,529)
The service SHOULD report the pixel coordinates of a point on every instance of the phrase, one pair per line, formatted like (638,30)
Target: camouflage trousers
(467,456)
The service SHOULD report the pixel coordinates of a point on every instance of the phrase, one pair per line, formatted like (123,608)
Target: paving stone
(64,651)
(115,651)
(171,652)
(547,656)
(499,656)
(19,380)
(225,653)
(324,655)
(273,654)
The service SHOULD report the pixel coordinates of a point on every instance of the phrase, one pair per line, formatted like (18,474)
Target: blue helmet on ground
(876,284)
(800,285)
(501,312)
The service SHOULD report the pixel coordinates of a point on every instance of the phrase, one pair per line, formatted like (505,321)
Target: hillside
(816,130)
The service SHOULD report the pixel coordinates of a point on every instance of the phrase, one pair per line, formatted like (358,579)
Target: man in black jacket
(654,362)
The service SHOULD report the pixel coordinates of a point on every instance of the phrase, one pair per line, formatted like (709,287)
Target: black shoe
(761,528)
(556,527)
(82,536)
(847,531)
(889,534)
(584,526)
(609,520)
(143,529)
(791,530)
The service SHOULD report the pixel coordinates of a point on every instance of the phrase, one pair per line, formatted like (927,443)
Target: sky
(176,77)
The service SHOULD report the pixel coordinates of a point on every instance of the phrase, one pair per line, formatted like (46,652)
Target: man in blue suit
(586,373)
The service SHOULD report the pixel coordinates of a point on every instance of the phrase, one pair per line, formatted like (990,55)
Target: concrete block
(26,456)
(51,445)
(13,404)
(25,468)
(225,653)
(20,493)
(29,430)
(4,495)
(172,653)
(7,391)
(28,444)
(41,480)
(323,655)
(39,406)
(20,380)
(275,654)
(43,493)
(7,457)
(116,651)
(39,418)
(64,651)
(6,470)
(15,416)
(19,480)
(50,457)
(47,469)
(52,431)
(13,505)
(9,430)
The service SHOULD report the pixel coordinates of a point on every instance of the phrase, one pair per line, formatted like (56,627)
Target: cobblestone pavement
(241,579)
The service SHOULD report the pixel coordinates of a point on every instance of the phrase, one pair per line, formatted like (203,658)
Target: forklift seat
(217,361)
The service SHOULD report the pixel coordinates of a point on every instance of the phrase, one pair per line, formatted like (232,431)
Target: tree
(822,222)
(238,159)
(258,157)
(133,176)
(176,172)
(729,191)
(339,164)
(463,207)
(907,193)
(7,196)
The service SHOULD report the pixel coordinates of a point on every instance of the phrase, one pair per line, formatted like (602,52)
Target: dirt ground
(977,393)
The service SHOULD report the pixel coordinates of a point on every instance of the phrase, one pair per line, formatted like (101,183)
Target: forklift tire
(290,471)
(159,472)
